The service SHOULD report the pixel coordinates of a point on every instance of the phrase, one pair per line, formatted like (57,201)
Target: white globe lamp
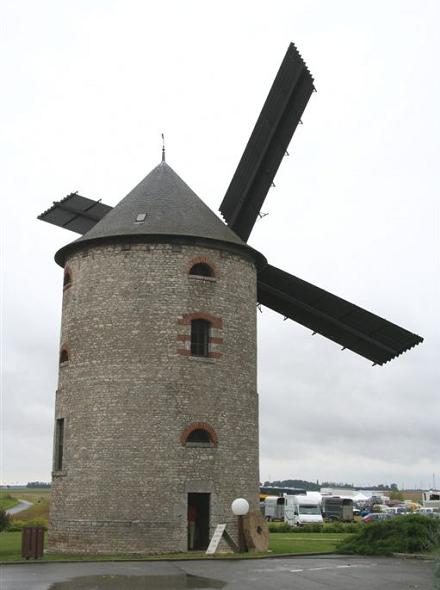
(240,507)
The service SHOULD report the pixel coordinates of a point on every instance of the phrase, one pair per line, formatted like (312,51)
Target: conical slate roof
(170,207)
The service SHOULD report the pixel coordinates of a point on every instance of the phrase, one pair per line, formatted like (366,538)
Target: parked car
(377,516)
(400,510)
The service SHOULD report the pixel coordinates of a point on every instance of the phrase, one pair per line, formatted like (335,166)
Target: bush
(331,527)
(18,525)
(342,527)
(279,527)
(5,520)
(404,534)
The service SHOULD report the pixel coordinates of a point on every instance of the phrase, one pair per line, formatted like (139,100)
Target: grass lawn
(10,548)
(306,542)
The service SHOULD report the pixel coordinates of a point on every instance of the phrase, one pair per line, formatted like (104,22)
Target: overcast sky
(89,86)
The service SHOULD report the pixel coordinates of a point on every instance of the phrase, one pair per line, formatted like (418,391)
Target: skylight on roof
(141,217)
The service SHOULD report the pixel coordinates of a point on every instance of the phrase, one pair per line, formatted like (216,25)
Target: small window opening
(64,356)
(59,444)
(202,270)
(67,279)
(200,337)
(140,218)
(199,435)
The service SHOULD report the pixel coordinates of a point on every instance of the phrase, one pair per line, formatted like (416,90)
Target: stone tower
(156,424)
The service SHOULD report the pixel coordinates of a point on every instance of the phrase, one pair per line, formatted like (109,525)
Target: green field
(7,501)
(280,543)
(37,514)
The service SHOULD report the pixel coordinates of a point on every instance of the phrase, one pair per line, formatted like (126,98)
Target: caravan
(336,508)
(274,508)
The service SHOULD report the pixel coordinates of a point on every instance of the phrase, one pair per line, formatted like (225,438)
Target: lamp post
(240,507)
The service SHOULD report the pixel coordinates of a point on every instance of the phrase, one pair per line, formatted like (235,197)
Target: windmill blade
(341,321)
(268,143)
(76,213)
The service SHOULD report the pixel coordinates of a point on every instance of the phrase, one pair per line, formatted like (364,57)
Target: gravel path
(23,505)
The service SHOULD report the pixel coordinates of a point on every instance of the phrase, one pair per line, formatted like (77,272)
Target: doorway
(198,521)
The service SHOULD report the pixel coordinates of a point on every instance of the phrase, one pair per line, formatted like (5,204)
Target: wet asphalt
(298,573)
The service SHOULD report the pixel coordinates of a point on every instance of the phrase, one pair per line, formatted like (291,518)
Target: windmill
(324,313)
(164,226)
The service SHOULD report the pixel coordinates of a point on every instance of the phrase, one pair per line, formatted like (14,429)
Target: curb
(170,559)
(418,556)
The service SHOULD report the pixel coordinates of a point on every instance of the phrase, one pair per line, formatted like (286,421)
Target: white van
(302,510)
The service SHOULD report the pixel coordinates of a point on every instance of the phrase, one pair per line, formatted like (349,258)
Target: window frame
(60,427)
(208,273)
(194,426)
(200,337)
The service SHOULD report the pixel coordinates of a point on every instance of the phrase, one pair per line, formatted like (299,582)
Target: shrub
(404,534)
(342,527)
(18,525)
(330,527)
(5,520)
(279,527)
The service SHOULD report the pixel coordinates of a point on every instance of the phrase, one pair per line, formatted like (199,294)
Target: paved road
(24,505)
(299,573)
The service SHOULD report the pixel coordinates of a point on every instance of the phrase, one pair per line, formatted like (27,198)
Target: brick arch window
(199,434)
(64,355)
(201,269)
(201,266)
(200,333)
(67,280)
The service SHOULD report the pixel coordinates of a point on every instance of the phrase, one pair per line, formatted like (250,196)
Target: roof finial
(163,147)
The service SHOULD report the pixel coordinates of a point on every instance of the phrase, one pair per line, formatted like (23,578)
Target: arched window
(67,281)
(199,434)
(64,355)
(201,269)
(200,337)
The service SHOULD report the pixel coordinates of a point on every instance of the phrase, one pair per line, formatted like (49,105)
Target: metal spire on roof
(163,147)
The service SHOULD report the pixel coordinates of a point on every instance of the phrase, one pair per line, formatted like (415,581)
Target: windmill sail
(76,213)
(341,321)
(268,143)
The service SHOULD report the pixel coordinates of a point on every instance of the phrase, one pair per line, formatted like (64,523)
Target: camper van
(274,508)
(302,510)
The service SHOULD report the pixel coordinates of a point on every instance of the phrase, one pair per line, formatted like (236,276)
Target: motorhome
(302,510)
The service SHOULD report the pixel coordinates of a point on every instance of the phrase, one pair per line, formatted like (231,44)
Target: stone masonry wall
(127,393)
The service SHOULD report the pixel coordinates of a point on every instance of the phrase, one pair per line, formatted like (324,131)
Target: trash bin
(32,542)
